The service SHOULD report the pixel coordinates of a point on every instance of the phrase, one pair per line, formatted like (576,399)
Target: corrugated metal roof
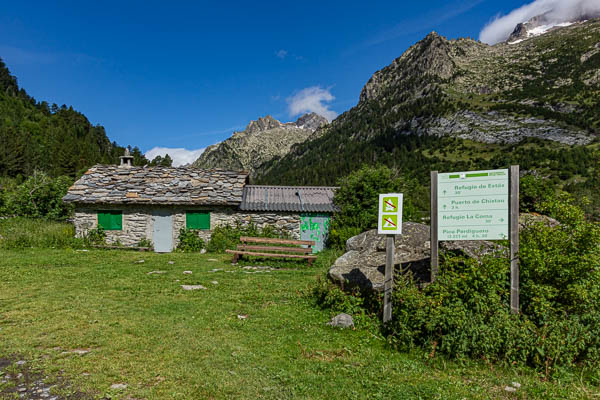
(288,198)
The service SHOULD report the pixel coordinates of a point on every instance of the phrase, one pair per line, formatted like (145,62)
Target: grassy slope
(163,342)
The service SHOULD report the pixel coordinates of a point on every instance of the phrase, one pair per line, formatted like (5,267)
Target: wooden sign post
(388,283)
(389,224)
(433,226)
(514,239)
(477,205)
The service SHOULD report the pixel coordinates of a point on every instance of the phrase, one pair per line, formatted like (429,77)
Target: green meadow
(252,333)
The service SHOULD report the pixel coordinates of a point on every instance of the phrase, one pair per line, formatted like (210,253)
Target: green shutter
(197,220)
(110,220)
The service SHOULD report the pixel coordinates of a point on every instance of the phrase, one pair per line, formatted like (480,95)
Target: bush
(95,237)
(532,192)
(145,242)
(228,237)
(39,196)
(357,200)
(189,241)
(20,233)
(466,311)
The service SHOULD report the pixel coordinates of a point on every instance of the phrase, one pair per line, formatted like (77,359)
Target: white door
(163,231)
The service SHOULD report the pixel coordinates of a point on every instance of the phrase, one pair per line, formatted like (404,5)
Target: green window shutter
(110,220)
(197,220)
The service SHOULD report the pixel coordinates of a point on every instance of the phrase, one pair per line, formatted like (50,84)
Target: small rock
(342,320)
(214,282)
(21,362)
(171,262)
(156,272)
(516,385)
(21,389)
(118,386)
(76,351)
(193,287)
(212,260)
(187,272)
(203,251)
(242,316)
(19,375)
(510,389)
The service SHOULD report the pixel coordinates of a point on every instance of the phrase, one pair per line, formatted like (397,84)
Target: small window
(197,220)
(110,220)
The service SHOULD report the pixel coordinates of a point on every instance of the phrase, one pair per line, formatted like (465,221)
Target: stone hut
(138,204)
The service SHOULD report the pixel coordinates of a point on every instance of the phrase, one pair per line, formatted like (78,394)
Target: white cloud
(179,155)
(281,54)
(556,11)
(311,99)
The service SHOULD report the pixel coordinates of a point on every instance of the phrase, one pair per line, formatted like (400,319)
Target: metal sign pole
(514,239)
(389,277)
(433,226)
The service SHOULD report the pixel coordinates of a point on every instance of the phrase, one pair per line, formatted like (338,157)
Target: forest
(56,140)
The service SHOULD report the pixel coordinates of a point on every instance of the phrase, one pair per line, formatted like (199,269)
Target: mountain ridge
(261,141)
(463,105)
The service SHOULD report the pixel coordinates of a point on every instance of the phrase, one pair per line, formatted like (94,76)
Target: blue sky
(186,74)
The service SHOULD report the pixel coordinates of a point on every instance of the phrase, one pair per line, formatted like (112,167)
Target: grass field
(143,330)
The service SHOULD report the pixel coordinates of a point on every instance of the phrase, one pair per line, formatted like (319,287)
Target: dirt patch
(19,380)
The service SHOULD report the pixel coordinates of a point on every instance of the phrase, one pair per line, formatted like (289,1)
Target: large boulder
(363,264)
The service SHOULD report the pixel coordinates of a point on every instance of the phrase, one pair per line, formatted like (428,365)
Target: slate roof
(111,184)
(288,198)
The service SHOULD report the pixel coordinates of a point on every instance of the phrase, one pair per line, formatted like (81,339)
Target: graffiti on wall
(315,227)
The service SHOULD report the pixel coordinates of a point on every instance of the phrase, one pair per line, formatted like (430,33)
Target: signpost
(390,224)
(477,205)
(473,205)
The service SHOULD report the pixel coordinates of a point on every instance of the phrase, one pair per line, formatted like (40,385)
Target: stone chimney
(126,160)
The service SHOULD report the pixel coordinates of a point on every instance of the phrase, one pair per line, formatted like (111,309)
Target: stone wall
(138,225)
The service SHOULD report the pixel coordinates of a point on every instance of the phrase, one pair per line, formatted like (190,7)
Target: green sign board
(390,214)
(473,205)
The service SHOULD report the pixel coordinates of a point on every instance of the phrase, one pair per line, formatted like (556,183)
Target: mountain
(543,23)
(262,141)
(56,140)
(462,104)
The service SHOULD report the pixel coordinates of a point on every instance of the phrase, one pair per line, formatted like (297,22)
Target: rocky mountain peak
(312,121)
(540,24)
(262,124)
(430,56)
(261,141)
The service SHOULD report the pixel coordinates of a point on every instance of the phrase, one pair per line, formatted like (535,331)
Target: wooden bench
(266,247)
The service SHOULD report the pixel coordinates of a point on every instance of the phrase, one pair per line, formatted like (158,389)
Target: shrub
(228,237)
(532,192)
(466,311)
(189,241)
(357,200)
(39,196)
(95,237)
(145,242)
